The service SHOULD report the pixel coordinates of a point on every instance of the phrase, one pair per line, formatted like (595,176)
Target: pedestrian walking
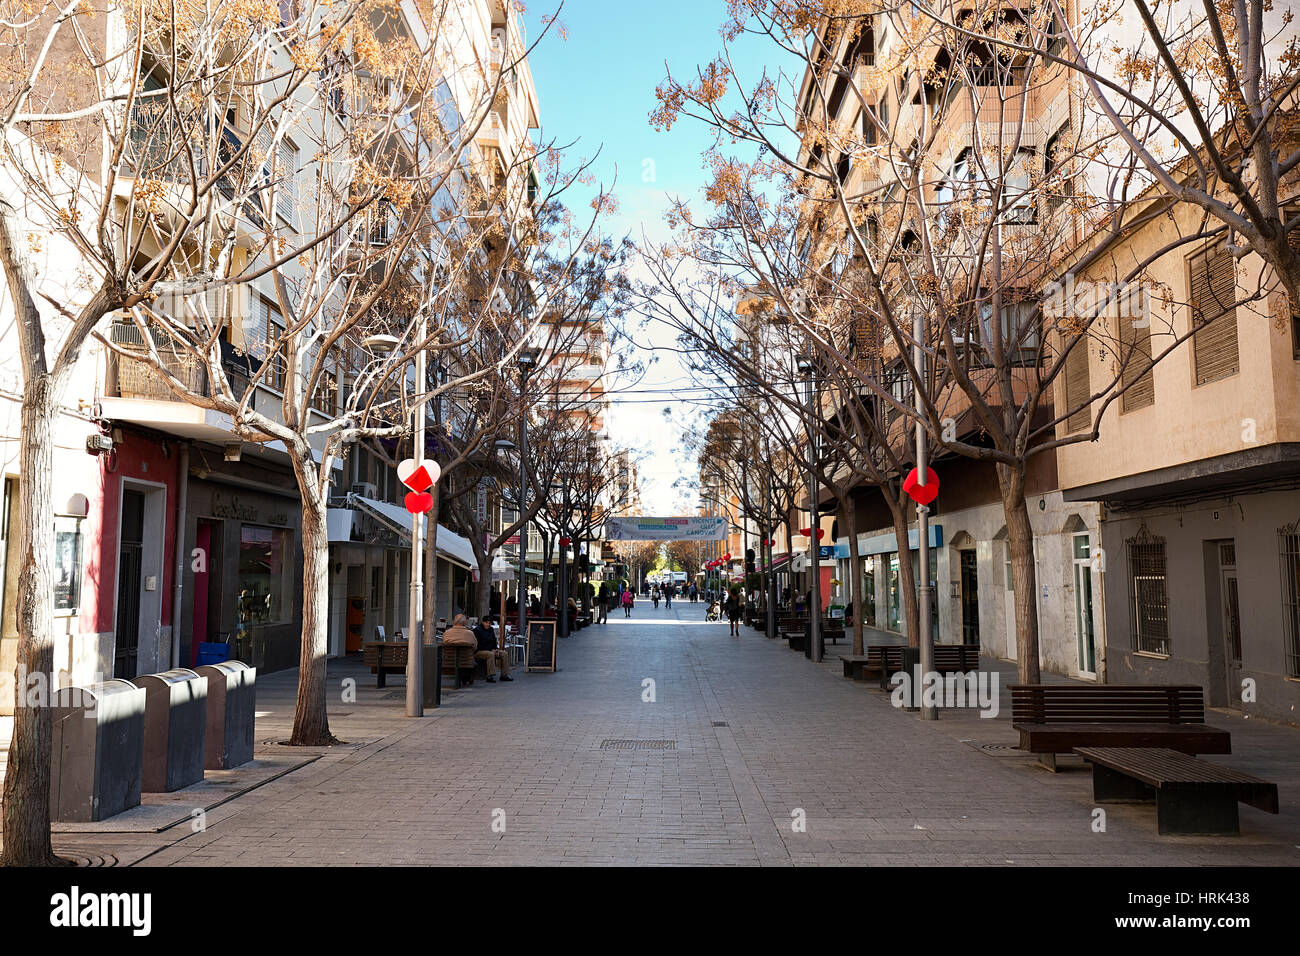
(628,599)
(732,608)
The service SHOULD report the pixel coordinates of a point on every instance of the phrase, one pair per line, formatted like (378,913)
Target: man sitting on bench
(459,643)
(488,652)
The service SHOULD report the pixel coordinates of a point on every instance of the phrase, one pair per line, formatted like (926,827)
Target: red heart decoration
(922,494)
(806,532)
(418,502)
(820,533)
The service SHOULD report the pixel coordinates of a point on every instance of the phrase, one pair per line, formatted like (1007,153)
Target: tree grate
(611,743)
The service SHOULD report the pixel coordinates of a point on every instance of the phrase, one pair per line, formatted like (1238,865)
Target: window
(1213,288)
(1135,353)
(1078,389)
(1288,538)
(266,559)
(273,328)
(286,197)
(958,177)
(868,128)
(869,589)
(1060,185)
(1019,332)
(67,564)
(1022,205)
(1148,597)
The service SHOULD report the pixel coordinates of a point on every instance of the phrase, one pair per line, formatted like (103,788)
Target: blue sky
(598,87)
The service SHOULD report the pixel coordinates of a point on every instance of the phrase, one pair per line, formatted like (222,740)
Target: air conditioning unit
(364,489)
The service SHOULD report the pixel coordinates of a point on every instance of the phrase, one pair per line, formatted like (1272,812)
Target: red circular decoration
(922,494)
(565,542)
(820,533)
(418,502)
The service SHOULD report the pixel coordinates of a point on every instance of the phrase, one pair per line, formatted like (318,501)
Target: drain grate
(611,743)
(721,723)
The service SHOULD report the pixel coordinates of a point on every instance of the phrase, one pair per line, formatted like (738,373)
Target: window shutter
(1137,380)
(1214,291)
(287,170)
(1077,388)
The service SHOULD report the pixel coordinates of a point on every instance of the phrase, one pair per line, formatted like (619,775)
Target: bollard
(175,721)
(231,714)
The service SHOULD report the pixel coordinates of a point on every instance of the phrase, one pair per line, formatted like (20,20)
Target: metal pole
(923,526)
(523,485)
(814,547)
(562,605)
(414,639)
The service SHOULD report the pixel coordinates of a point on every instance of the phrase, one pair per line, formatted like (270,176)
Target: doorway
(970,598)
(1010,601)
(130,562)
(1083,610)
(1231,611)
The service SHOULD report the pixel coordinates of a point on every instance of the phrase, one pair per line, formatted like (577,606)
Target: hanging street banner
(665,529)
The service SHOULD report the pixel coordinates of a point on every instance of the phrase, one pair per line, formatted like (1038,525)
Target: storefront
(244,536)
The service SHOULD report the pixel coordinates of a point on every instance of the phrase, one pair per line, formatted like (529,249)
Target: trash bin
(97,751)
(431,662)
(175,722)
(912,665)
(232,707)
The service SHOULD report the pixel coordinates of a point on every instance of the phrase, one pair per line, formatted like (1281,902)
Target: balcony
(135,392)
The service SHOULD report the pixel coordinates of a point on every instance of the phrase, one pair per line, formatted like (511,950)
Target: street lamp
(527,361)
(804,363)
(414,639)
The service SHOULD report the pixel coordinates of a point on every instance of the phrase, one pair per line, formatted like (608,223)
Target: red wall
(144,458)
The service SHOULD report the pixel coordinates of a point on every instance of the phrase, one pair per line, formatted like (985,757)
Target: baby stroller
(714,612)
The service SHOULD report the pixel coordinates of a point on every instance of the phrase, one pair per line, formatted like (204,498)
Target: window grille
(1148,593)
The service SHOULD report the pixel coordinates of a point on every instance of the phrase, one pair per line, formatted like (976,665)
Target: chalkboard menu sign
(541,646)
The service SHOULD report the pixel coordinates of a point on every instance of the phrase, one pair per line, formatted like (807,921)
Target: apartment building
(992,112)
(174,527)
(1195,476)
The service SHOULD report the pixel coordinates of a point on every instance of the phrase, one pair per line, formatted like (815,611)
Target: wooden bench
(879,661)
(956,658)
(384,658)
(1192,796)
(1056,718)
(456,660)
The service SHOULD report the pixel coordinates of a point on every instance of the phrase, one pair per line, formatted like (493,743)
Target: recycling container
(232,707)
(175,724)
(97,751)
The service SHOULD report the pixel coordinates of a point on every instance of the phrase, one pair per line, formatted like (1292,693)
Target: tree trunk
(906,579)
(855,572)
(483,594)
(310,721)
(1024,577)
(27,780)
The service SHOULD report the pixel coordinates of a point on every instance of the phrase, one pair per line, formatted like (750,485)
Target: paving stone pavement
(761,738)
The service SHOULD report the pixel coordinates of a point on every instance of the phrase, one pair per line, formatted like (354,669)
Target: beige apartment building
(1195,474)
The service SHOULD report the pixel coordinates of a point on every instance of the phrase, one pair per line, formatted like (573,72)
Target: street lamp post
(926,636)
(526,360)
(415,637)
(805,365)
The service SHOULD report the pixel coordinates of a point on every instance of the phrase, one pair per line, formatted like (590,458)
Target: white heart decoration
(410,474)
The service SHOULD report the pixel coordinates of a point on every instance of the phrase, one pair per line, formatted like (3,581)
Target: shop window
(266,559)
(67,565)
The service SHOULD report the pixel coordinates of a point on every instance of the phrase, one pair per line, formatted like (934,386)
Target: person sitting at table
(459,642)
(488,652)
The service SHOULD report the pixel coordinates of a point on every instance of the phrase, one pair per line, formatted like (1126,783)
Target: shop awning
(451,546)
